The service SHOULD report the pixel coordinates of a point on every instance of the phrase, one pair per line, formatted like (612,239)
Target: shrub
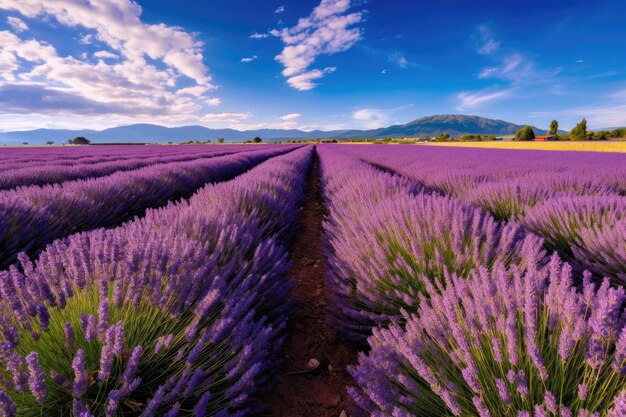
(525,133)
(587,226)
(579,132)
(79,140)
(554,128)
(502,344)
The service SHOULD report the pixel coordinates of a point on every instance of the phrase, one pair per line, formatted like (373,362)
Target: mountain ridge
(453,124)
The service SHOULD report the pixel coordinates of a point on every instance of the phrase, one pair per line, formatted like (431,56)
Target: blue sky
(330,64)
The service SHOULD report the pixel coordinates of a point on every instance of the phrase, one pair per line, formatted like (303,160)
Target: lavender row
(68,158)
(9,156)
(51,173)
(31,217)
(573,199)
(387,240)
(181,312)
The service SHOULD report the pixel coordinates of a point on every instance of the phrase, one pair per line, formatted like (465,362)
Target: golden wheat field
(603,146)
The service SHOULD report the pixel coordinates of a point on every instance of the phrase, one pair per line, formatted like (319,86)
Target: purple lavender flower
(69,335)
(201,407)
(36,378)
(173,412)
(88,324)
(550,401)
(582,392)
(133,365)
(7,407)
(503,391)
(619,405)
(80,374)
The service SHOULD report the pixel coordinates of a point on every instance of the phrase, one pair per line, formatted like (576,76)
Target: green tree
(525,133)
(50,142)
(554,128)
(257,139)
(220,140)
(579,131)
(24,143)
(79,140)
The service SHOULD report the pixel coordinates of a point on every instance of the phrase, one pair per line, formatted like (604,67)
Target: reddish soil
(301,393)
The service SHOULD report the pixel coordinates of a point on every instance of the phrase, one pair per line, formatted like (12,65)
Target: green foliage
(554,128)
(618,133)
(525,133)
(50,142)
(220,140)
(480,138)
(143,325)
(79,140)
(257,139)
(579,132)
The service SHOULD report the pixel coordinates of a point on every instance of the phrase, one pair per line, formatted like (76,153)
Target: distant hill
(453,124)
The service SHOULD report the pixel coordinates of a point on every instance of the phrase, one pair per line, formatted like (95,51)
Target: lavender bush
(502,343)
(385,244)
(181,312)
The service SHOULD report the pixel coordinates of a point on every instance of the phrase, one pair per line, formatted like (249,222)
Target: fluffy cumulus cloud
(249,59)
(290,117)
(142,69)
(17,24)
(105,54)
(371,118)
(329,29)
(279,9)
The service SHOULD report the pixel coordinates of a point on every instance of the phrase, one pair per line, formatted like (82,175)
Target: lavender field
(383,280)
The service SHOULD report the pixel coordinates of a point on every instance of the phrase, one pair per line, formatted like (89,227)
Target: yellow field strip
(602,146)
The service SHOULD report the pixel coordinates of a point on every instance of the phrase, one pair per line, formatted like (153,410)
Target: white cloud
(400,60)
(86,39)
(224,117)
(290,117)
(17,24)
(249,59)
(467,100)
(259,35)
(158,71)
(305,81)
(514,67)
(579,61)
(598,116)
(105,54)
(117,23)
(326,31)
(384,71)
(603,74)
(488,45)
(371,118)
(213,101)
(280,9)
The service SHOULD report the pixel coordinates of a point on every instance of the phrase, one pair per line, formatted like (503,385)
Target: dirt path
(321,393)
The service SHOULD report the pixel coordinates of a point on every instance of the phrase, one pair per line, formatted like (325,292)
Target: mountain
(453,124)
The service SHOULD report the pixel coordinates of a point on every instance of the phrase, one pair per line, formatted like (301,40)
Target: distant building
(544,138)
